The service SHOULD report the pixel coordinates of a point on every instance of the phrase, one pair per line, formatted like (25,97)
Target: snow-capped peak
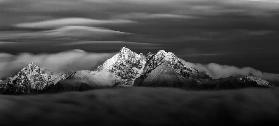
(125,65)
(168,56)
(33,78)
(170,59)
(30,68)
(126,51)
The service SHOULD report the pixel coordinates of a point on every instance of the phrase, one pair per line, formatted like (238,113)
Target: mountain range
(125,69)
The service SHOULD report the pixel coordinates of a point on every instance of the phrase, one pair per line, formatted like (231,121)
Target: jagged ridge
(171,60)
(125,65)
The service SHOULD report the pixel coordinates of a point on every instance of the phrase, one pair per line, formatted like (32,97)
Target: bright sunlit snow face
(234,32)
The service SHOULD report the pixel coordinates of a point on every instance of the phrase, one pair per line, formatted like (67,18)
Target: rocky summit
(169,59)
(125,65)
(166,69)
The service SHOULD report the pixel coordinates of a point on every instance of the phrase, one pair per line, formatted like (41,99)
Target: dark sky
(232,32)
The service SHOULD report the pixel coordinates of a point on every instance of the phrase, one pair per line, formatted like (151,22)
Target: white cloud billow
(60,62)
(223,71)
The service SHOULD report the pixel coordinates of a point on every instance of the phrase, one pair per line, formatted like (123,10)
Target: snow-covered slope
(32,79)
(164,76)
(168,58)
(168,68)
(126,66)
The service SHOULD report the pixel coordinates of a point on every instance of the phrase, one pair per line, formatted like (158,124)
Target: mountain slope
(234,82)
(126,66)
(166,69)
(32,79)
(164,76)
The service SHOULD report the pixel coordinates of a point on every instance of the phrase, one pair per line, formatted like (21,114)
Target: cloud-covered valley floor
(143,106)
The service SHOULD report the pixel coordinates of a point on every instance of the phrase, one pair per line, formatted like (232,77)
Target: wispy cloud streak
(70,21)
